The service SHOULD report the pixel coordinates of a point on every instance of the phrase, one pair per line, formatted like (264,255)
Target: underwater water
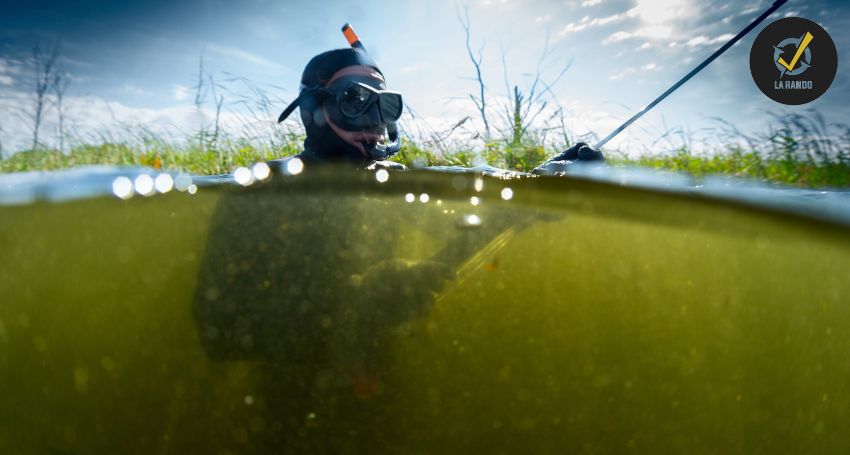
(434,312)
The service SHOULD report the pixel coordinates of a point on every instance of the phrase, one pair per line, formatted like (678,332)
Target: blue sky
(133,62)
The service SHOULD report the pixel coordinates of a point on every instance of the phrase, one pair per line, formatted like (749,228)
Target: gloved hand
(578,153)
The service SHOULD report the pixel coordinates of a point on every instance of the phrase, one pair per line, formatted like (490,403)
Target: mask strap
(295,103)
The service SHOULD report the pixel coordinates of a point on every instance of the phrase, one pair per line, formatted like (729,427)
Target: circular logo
(793,61)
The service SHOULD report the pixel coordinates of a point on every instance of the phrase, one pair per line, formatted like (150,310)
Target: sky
(135,63)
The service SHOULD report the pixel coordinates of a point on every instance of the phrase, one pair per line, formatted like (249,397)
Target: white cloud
(587,3)
(622,74)
(587,22)
(181,92)
(629,71)
(697,40)
(655,31)
(702,40)
(651,32)
(617,36)
(663,11)
(657,19)
(10,67)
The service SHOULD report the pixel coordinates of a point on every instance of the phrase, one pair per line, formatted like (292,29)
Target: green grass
(799,150)
(787,168)
(193,159)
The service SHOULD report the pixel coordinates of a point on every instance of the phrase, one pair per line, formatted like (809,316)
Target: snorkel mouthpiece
(380,152)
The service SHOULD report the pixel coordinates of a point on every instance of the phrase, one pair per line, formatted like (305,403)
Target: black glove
(579,153)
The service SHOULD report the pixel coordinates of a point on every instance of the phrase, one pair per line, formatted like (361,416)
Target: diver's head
(346,110)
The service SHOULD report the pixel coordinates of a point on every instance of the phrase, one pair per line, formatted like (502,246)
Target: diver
(350,116)
(347,111)
(309,286)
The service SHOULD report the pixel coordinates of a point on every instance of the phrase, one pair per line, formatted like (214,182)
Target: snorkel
(376,151)
(346,111)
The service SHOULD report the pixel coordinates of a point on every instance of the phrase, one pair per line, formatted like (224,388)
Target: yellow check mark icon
(803,45)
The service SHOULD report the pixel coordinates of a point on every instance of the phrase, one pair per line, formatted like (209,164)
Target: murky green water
(326,313)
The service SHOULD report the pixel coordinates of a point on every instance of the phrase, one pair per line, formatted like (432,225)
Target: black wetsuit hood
(322,144)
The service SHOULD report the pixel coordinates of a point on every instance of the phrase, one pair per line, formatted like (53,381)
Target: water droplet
(261,171)
(249,400)
(409,197)
(294,166)
(123,187)
(507,194)
(144,185)
(469,222)
(474,200)
(164,183)
(382,175)
(182,182)
(423,198)
(479,184)
(192,189)
(243,176)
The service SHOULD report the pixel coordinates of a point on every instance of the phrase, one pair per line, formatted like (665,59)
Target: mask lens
(391,106)
(354,100)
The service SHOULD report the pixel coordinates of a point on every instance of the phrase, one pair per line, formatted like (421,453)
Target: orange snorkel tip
(351,37)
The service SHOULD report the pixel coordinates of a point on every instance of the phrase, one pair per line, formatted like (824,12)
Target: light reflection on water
(164,183)
(335,313)
(144,185)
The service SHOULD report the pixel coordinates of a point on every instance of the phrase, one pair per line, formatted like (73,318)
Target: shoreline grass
(797,149)
(784,166)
